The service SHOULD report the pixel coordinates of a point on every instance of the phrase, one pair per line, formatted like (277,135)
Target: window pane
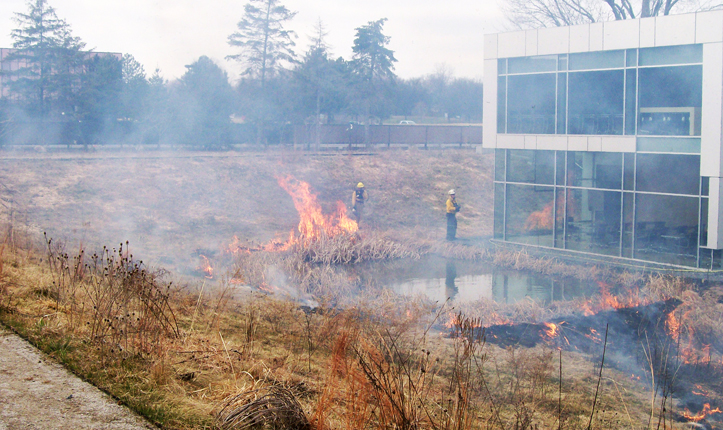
(559,233)
(561,103)
(543,63)
(531,104)
(684,54)
(562,62)
(593,221)
(595,169)
(630,101)
(529,217)
(499,164)
(596,102)
(669,144)
(667,173)
(666,228)
(502,66)
(704,186)
(501,104)
(535,167)
(499,212)
(703,222)
(597,60)
(632,58)
(560,168)
(670,100)
(628,225)
(629,172)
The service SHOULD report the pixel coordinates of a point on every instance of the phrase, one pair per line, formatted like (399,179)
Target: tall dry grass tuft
(273,406)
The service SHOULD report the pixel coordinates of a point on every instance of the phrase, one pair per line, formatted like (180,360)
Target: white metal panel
(715,235)
(511,141)
(618,143)
(709,26)
(577,143)
(553,40)
(580,38)
(596,36)
(675,30)
(489,99)
(490,46)
(552,142)
(622,34)
(511,44)
(530,141)
(531,42)
(711,120)
(647,32)
(594,143)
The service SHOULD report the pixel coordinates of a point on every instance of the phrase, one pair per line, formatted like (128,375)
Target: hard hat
(360,185)
(451,192)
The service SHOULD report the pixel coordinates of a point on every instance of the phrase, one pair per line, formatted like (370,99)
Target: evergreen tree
(50,56)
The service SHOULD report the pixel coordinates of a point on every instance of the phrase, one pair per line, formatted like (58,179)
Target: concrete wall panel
(647,32)
(580,38)
(577,143)
(594,143)
(709,27)
(553,40)
(621,34)
(511,44)
(489,99)
(490,46)
(618,143)
(552,142)
(531,42)
(712,111)
(596,36)
(511,141)
(675,30)
(530,141)
(715,236)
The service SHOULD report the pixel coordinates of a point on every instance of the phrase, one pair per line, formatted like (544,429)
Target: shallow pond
(465,281)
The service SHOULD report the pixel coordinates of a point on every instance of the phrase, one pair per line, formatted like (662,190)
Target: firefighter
(452,209)
(358,197)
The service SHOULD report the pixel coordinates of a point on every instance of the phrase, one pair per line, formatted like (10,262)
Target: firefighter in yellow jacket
(358,197)
(452,209)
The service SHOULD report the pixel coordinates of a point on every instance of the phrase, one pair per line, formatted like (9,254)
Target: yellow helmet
(360,185)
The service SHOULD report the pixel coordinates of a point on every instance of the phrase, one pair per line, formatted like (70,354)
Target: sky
(426,35)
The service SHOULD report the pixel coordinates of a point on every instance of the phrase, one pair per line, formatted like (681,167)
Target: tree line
(68,94)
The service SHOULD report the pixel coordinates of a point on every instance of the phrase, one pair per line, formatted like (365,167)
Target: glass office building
(607,137)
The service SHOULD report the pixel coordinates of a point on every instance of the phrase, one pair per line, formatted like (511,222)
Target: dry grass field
(186,353)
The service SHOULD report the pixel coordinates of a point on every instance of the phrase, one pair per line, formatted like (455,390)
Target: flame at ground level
(702,414)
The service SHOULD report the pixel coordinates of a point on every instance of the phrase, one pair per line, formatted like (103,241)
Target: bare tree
(556,13)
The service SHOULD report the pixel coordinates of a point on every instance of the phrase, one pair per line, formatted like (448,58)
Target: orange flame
(552,329)
(313,223)
(206,267)
(702,414)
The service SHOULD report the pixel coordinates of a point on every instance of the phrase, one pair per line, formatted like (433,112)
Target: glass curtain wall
(624,205)
(650,91)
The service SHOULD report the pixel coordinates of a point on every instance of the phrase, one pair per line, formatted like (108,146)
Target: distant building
(608,138)
(13,65)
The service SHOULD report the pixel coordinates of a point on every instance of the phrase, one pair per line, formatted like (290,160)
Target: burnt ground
(38,393)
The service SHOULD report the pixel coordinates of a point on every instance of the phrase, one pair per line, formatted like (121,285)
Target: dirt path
(38,393)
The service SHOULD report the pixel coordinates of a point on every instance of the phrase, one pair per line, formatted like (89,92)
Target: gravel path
(38,393)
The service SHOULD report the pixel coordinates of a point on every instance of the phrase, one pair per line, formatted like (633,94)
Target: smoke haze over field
(170,35)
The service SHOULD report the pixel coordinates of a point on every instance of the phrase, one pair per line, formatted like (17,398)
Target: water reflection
(465,281)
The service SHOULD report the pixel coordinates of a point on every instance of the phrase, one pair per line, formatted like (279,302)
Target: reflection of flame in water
(205,266)
(313,223)
(702,414)
(542,219)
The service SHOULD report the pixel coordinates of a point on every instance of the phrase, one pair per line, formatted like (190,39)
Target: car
(407,122)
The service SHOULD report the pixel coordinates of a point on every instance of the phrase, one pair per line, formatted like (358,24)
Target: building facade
(608,139)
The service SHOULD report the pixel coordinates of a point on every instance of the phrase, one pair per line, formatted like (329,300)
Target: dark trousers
(451,226)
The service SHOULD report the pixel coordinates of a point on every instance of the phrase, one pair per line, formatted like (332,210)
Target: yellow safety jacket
(452,206)
(359,196)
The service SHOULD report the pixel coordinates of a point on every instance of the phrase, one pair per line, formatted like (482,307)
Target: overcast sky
(168,34)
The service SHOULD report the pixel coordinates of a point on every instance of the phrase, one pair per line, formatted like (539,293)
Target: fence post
(426,136)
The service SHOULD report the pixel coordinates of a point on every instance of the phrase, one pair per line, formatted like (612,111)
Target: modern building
(608,138)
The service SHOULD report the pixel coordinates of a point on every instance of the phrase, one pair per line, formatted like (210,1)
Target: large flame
(313,223)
